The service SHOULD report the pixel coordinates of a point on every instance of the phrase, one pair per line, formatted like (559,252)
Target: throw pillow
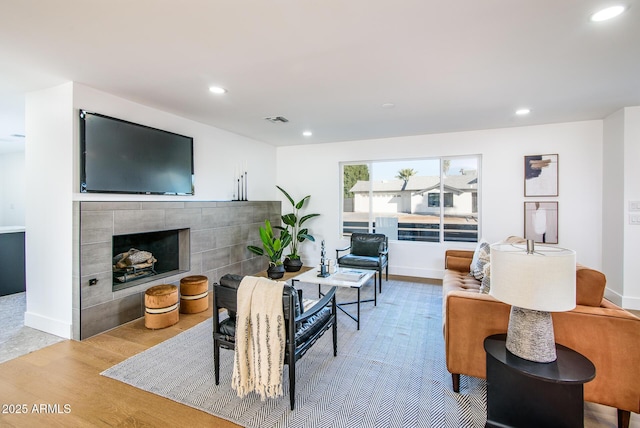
(461,264)
(485,285)
(480,258)
(476,253)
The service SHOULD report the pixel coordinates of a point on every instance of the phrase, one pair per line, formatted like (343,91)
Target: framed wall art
(541,222)
(541,175)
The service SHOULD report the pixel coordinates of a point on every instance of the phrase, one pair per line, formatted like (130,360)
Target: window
(401,198)
(434,199)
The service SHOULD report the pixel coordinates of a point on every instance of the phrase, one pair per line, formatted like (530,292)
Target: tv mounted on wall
(117,156)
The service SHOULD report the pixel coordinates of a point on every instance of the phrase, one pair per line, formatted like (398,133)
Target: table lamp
(535,281)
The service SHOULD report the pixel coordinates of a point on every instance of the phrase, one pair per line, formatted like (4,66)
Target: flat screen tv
(124,157)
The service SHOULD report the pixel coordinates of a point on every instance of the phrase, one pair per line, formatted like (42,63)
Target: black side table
(522,393)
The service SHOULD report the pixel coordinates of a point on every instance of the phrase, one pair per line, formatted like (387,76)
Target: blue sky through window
(387,170)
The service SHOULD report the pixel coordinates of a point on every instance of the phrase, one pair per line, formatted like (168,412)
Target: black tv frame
(83,153)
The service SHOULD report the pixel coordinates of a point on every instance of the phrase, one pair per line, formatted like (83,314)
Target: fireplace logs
(133,264)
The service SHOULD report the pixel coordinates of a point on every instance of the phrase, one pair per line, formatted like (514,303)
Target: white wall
(12,189)
(631,295)
(48,219)
(52,185)
(621,245)
(613,209)
(314,169)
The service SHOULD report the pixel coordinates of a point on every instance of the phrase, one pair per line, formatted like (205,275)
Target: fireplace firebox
(143,257)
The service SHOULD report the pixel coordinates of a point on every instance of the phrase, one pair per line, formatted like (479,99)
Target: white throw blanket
(260,338)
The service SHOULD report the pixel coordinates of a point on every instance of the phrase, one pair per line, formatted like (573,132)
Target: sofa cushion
(590,286)
(480,258)
(461,264)
(455,280)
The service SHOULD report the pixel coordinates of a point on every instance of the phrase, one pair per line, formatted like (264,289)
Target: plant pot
(292,265)
(275,272)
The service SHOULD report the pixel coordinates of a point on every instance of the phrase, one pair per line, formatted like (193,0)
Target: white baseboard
(48,325)
(631,303)
(625,302)
(613,296)
(417,272)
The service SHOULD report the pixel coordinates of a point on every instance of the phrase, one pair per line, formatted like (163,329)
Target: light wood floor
(68,373)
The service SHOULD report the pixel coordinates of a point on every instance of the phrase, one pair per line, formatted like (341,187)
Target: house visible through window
(402,198)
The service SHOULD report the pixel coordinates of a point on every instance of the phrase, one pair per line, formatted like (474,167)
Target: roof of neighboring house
(466,181)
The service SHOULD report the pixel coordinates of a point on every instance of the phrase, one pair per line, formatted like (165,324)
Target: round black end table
(522,393)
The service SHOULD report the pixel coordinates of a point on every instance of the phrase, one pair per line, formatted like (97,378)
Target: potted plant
(298,234)
(272,248)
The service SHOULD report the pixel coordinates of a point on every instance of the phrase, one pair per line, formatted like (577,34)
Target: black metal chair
(303,328)
(367,251)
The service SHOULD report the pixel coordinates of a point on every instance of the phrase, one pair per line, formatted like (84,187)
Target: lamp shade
(544,280)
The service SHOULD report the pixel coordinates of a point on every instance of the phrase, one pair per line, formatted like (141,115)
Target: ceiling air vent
(276,119)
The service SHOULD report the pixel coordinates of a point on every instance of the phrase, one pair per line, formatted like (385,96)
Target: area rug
(390,373)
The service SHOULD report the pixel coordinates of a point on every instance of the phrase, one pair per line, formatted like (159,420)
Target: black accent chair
(303,328)
(368,251)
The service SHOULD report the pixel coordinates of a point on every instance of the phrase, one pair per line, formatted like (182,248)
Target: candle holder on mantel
(241,184)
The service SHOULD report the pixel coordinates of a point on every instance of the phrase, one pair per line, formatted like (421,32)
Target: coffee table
(338,279)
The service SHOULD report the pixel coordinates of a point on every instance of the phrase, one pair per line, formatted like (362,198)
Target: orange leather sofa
(603,332)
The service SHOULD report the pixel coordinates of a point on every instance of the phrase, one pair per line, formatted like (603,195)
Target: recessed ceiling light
(307,133)
(217,90)
(523,111)
(608,13)
(388,105)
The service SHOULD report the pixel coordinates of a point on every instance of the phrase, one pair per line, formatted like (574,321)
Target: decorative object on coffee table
(194,294)
(535,281)
(299,234)
(324,268)
(161,306)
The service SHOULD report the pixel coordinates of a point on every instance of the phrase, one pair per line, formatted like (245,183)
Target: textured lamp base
(530,335)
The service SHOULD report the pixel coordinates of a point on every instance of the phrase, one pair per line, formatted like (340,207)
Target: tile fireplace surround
(219,233)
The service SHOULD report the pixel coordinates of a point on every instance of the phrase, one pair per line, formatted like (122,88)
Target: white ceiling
(328,66)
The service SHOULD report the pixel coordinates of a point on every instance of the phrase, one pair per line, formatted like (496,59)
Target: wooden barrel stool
(194,294)
(161,306)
